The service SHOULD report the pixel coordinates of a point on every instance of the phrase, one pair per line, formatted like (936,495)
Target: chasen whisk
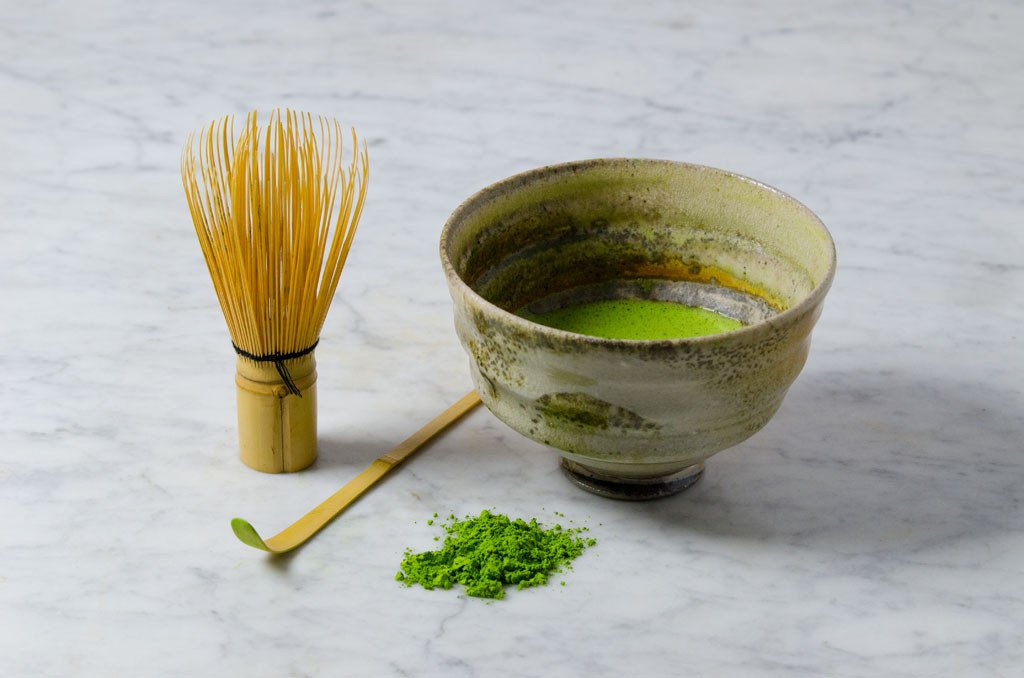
(275,210)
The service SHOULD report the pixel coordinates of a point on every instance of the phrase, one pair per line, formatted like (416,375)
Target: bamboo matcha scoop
(308,525)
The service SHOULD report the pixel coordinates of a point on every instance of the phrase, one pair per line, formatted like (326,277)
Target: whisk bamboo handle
(276,430)
(308,525)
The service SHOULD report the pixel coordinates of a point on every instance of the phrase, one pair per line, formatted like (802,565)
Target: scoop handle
(305,527)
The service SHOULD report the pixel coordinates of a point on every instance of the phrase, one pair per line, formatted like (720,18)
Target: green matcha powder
(491,551)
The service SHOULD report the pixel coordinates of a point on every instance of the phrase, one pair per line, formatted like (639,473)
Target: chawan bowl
(635,419)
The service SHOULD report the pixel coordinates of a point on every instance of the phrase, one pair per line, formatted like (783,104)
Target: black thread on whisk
(278,360)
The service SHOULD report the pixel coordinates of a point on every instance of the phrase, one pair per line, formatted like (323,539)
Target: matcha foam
(647,319)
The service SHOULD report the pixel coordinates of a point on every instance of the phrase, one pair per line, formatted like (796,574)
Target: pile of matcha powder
(486,553)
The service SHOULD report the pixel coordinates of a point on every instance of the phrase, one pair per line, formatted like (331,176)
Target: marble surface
(873,528)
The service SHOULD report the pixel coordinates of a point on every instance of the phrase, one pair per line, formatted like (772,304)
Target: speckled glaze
(635,411)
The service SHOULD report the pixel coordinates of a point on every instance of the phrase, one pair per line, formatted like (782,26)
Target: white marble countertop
(873,528)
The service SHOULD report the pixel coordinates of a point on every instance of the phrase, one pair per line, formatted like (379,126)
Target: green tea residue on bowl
(646,319)
(491,551)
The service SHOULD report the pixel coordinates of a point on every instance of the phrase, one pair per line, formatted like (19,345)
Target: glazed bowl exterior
(626,409)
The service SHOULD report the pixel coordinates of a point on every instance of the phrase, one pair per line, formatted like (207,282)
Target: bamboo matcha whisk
(275,210)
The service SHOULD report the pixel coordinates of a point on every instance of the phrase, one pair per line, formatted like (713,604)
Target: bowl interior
(638,228)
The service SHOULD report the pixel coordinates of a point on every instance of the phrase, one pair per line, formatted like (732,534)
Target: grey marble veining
(873,528)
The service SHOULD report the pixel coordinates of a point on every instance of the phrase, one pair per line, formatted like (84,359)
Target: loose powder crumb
(491,551)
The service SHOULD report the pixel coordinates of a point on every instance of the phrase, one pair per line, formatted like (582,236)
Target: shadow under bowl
(635,419)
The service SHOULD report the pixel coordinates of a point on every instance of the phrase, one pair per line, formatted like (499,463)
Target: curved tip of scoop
(247,534)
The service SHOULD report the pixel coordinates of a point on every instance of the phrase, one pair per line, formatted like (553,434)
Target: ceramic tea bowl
(635,419)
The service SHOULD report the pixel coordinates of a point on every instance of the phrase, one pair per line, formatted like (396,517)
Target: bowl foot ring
(631,489)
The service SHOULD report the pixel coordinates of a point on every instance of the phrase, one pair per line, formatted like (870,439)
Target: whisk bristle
(275,210)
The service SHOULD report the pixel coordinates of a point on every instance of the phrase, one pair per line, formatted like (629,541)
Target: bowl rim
(454,279)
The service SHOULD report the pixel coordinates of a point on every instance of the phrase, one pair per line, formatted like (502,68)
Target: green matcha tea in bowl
(636,315)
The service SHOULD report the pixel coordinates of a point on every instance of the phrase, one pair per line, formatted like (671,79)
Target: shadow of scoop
(863,461)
